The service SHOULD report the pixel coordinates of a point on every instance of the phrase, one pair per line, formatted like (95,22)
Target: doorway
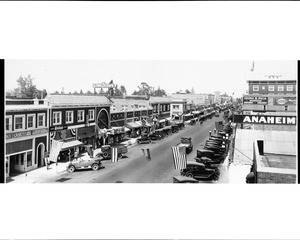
(40,151)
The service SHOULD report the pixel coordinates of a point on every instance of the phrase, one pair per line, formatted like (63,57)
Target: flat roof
(278,161)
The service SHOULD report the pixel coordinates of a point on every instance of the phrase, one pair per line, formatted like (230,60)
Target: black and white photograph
(81,121)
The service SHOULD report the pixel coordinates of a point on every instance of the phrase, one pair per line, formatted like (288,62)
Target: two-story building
(178,107)
(78,119)
(26,129)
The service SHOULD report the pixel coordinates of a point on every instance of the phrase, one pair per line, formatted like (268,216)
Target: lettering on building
(264,119)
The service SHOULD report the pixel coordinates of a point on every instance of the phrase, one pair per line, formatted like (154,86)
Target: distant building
(194,101)
(178,107)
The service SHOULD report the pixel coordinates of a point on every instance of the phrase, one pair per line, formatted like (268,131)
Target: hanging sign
(284,100)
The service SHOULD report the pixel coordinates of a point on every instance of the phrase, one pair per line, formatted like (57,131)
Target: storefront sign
(284,101)
(25,133)
(265,119)
(56,128)
(255,100)
(103,85)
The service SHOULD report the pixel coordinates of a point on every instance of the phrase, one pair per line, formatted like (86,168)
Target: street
(135,168)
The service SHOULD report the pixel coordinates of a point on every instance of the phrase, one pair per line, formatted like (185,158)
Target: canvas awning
(71,144)
(126,129)
(132,125)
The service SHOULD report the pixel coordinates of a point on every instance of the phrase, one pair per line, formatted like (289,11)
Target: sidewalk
(55,169)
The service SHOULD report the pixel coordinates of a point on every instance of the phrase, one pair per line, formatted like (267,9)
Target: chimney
(35,101)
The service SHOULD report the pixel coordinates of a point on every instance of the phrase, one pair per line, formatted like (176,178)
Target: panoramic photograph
(150,121)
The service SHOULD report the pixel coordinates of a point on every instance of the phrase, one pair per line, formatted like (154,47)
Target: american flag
(146,153)
(55,149)
(179,157)
(114,154)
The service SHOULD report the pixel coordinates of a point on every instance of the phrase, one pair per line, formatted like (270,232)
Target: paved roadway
(135,168)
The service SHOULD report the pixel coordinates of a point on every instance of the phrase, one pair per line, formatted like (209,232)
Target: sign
(255,100)
(56,128)
(284,100)
(103,85)
(265,119)
(26,133)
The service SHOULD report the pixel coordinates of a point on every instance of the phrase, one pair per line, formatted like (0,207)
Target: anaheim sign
(265,119)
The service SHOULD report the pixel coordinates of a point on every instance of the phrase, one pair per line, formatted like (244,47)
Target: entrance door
(40,155)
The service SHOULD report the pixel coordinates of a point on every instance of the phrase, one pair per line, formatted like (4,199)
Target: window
(41,120)
(175,106)
(164,107)
(19,122)
(136,106)
(8,123)
(113,107)
(280,88)
(271,87)
(80,116)
(168,107)
(30,121)
(91,114)
(21,156)
(69,116)
(289,87)
(56,118)
(255,87)
(160,107)
(29,159)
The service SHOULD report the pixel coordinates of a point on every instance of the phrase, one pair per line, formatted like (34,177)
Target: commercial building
(26,130)
(178,107)
(195,101)
(161,106)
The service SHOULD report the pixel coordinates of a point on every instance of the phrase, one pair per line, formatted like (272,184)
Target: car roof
(194,163)
(205,150)
(185,179)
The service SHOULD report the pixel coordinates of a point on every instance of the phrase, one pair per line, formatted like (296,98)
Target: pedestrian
(76,153)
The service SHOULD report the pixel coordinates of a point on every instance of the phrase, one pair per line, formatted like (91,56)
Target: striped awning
(71,144)
(132,125)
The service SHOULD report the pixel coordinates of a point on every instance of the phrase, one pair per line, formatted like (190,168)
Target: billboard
(284,100)
(265,119)
(255,100)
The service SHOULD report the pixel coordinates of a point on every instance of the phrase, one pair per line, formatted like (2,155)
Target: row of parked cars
(205,168)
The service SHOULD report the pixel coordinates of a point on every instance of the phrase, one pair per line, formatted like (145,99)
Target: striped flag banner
(55,149)
(179,157)
(114,154)
(146,153)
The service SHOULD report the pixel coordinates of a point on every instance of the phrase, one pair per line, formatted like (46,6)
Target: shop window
(289,87)
(91,115)
(56,118)
(8,123)
(19,122)
(271,87)
(175,107)
(113,108)
(69,116)
(255,88)
(80,116)
(21,156)
(30,121)
(41,120)
(160,107)
(280,88)
(29,159)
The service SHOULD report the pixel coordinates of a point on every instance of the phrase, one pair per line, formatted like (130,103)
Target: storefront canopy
(140,123)
(71,144)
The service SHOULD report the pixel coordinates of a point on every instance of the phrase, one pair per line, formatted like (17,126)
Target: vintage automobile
(193,121)
(105,151)
(167,130)
(186,142)
(83,163)
(157,134)
(199,172)
(144,138)
(184,179)
(216,158)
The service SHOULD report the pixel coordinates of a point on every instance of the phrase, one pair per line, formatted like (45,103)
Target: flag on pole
(146,153)
(114,154)
(179,157)
(55,149)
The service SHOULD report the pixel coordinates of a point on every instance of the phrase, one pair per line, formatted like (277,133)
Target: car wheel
(120,155)
(95,166)
(71,169)
(105,154)
(189,174)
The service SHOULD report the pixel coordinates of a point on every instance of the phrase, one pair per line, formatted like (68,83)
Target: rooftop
(279,161)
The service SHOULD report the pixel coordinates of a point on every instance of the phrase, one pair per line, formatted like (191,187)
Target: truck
(186,142)
(105,151)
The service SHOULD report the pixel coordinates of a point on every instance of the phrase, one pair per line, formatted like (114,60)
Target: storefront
(135,129)
(87,135)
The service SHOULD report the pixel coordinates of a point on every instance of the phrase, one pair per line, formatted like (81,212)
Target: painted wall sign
(56,128)
(284,101)
(265,119)
(25,133)
(255,100)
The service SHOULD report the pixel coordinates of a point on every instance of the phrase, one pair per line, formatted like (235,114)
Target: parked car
(106,151)
(184,179)
(216,158)
(83,163)
(199,172)
(144,138)
(187,142)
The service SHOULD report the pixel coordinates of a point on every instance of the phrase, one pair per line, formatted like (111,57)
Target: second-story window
(175,106)
(280,88)
(271,87)
(69,116)
(56,118)
(91,114)
(255,88)
(113,107)
(160,107)
(289,87)
(31,121)
(80,116)
(8,123)
(19,122)
(41,120)
(164,107)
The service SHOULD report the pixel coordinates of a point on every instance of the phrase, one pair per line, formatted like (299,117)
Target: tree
(187,91)
(81,92)
(144,89)
(89,93)
(159,92)
(123,90)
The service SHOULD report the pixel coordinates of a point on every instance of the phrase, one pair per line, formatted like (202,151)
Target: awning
(71,144)
(132,125)
(126,129)
(162,121)
(169,118)
(141,124)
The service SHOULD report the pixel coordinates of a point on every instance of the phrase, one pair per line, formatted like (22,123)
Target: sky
(170,75)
